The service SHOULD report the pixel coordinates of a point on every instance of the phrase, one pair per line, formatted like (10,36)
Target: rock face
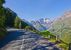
(61,27)
(27,41)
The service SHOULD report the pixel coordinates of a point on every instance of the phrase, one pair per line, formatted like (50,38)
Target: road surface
(25,40)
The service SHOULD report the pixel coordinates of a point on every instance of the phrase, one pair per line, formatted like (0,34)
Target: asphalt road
(25,40)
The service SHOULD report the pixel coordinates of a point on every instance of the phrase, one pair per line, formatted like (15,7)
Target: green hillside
(61,28)
(9,19)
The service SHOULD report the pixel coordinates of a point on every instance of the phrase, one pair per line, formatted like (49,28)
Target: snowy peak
(41,24)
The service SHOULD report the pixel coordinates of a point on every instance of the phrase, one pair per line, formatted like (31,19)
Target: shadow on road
(11,36)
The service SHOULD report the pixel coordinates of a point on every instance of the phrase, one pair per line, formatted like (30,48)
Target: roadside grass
(62,45)
(45,34)
(52,38)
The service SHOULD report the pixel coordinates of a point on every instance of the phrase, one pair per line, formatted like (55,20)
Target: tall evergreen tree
(2,2)
(2,19)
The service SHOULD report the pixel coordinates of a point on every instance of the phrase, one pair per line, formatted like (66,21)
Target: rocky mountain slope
(61,27)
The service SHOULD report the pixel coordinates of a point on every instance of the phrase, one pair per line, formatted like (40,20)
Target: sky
(37,9)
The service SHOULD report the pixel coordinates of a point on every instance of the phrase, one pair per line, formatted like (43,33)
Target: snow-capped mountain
(41,24)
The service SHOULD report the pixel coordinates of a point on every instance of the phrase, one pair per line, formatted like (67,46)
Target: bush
(2,33)
(46,34)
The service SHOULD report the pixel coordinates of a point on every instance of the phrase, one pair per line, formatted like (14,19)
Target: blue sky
(36,9)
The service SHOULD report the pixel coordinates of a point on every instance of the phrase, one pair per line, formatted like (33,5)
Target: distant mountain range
(41,24)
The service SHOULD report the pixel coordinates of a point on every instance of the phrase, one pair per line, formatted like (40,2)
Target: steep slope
(9,19)
(61,27)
